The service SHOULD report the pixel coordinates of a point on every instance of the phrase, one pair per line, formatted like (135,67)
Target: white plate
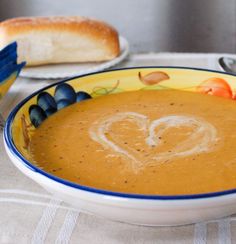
(56,71)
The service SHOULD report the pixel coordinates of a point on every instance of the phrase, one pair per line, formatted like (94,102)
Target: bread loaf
(48,40)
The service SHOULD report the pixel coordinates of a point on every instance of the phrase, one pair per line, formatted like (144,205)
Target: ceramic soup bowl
(132,208)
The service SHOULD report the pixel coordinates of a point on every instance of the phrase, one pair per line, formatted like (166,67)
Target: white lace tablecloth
(28,214)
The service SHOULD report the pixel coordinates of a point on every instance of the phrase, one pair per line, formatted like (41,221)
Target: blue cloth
(8,63)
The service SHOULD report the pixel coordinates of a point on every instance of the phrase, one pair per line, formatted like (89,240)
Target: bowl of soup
(145,145)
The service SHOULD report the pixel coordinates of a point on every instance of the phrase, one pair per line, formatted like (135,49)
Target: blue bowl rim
(10,144)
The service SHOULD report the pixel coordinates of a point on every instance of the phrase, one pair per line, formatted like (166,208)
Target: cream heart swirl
(203,136)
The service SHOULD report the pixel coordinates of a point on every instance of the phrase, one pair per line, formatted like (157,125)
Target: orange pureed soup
(150,142)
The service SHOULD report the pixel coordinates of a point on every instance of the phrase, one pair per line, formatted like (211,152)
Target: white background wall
(149,25)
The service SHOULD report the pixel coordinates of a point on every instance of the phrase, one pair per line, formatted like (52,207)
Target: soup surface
(150,142)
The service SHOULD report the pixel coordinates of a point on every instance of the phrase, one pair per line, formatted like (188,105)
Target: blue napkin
(9,69)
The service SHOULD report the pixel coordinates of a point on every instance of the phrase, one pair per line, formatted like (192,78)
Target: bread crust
(102,34)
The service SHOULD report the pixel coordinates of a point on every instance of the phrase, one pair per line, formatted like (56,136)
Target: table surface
(30,215)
